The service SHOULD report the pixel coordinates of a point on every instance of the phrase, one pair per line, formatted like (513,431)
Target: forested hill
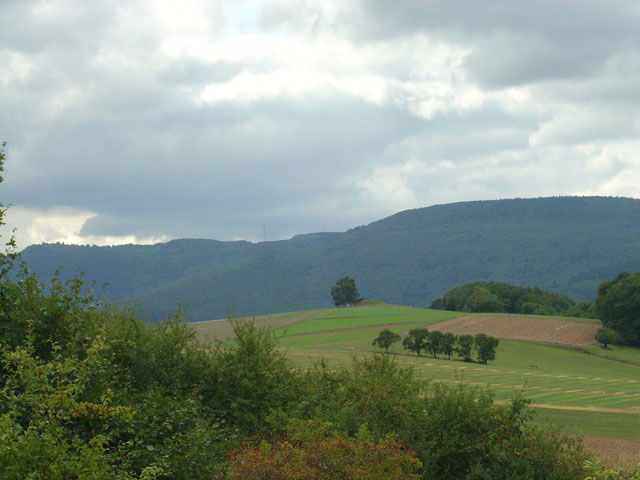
(565,244)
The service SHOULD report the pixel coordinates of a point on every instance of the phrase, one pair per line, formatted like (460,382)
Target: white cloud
(60,225)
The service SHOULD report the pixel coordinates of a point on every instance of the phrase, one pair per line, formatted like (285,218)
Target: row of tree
(435,342)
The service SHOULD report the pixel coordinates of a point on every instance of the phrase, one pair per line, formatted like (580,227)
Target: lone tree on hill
(385,339)
(344,291)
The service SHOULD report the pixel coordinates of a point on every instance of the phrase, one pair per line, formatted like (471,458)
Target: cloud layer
(144,121)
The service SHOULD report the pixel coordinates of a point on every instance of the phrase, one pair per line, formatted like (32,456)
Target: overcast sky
(140,121)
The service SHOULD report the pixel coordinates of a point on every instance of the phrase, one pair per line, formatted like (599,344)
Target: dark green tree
(486,347)
(502,297)
(482,300)
(434,343)
(606,336)
(448,344)
(385,339)
(344,291)
(464,345)
(417,340)
(618,306)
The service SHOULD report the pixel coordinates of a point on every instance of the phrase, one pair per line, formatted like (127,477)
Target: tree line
(435,342)
(618,307)
(502,297)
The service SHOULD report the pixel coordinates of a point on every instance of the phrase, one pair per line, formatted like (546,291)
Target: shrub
(249,379)
(310,452)
(459,433)
(174,434)
(373,391)
(47,429)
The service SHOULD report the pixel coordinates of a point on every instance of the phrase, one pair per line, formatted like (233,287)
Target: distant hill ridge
(562,244)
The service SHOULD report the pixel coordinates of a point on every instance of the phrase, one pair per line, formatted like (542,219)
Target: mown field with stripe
(581,389)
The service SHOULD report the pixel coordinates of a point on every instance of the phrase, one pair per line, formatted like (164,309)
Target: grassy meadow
(581,390)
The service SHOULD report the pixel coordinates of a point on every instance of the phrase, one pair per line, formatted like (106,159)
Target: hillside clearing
(533,329)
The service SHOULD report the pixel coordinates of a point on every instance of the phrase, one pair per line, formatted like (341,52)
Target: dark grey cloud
(514,43)
(224,158)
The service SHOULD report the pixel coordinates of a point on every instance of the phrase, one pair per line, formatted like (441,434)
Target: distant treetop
(344,292)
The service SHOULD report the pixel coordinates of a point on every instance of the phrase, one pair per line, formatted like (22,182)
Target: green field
(583,390)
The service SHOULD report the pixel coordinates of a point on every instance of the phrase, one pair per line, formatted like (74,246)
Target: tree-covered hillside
(566,245)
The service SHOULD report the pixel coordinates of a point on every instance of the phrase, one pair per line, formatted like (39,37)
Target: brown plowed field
(521,328)
(614,452)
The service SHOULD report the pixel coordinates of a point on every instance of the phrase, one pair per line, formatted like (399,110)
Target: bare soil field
(614,452)
(537,329)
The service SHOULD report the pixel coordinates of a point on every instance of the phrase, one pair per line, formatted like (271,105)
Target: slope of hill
(565,244)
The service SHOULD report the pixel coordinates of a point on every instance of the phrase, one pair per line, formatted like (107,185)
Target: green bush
(372,390)
(459,433)
(173,434)
(249,379)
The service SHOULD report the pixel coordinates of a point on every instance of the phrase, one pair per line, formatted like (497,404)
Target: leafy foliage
(370,391)
(436,342)
(344,292)
(460,434)
(385,339)
(464,345)
(310,452)
(618,306)
(606,336)
(417,340)
(92,400)
(250,379)
(448,344)
(502,297)
(456,432)
(486,347)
